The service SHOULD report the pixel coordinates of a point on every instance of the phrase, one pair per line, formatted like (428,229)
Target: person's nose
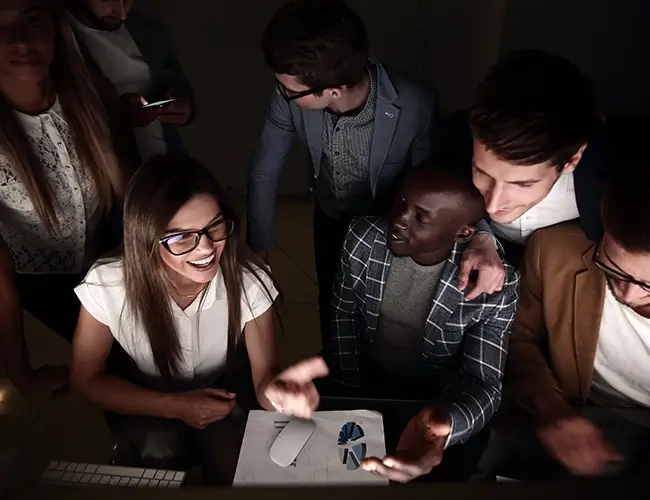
(120,9)
(401,221)
(206,245)
(630,293)
(20,35)
(495,197)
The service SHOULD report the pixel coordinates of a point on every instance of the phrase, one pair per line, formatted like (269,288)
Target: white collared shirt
(202,327)
(621,375)
(120,60)
(33,248)
(559,205)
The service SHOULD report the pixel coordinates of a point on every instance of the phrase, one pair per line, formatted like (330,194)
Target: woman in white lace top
(58,177)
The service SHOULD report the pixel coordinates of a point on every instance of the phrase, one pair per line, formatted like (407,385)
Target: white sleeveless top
(202,332)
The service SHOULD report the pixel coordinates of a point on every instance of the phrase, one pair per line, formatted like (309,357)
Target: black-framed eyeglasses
(610,272)
(185,242)
(291,95)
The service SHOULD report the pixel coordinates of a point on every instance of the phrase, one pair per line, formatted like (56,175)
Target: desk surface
(576,489)
(587,489)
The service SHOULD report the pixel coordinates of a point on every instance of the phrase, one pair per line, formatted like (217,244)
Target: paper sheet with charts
(331,456)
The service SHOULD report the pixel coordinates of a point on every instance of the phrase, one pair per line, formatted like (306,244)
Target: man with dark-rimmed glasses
(364,127)
(578,368)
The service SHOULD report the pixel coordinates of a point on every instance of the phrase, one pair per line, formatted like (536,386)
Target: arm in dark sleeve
(476,394)
(168,73)
(423,146)
(264,172)
(342,353)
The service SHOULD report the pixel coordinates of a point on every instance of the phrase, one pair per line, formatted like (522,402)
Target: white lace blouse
(33,248)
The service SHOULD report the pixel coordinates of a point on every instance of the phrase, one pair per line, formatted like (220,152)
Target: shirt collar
(562,186)
(34,124)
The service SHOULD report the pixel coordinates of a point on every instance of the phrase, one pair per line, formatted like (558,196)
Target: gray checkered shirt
(464,345)
(343,184)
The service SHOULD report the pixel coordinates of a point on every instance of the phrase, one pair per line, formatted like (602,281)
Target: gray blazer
(404,117)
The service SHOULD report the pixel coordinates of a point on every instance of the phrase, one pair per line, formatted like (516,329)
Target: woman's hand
(200,408)
(293,391)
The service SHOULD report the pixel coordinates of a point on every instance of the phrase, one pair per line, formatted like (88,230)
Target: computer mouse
(291,440)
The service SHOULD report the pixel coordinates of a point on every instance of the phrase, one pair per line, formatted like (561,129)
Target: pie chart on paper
(351,450)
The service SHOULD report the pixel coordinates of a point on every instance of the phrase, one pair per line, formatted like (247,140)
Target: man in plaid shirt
(402,328)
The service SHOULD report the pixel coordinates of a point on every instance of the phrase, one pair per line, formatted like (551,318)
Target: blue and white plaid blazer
(464,343)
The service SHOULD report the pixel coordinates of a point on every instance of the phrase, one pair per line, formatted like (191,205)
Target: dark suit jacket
(166,72)
(405,115)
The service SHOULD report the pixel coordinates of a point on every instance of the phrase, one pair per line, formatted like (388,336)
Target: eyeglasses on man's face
(291,95)
(615,274)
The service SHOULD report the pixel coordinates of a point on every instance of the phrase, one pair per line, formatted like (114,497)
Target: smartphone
(159,103)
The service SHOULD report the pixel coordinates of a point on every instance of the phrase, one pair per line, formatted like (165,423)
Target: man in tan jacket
(578,374)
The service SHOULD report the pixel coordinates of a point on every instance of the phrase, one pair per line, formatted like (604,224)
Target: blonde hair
(88,123)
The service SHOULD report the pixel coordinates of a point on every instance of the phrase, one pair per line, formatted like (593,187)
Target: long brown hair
(86,118)
(156,192)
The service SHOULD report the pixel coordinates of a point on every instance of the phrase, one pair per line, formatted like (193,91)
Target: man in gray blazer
(363,125)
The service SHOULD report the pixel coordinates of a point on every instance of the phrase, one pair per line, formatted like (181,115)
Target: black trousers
(143,441)
(51,299)
(328,239)
(160,443)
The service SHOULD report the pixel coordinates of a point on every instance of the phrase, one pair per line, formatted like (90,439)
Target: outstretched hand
(419,450)
(293,391)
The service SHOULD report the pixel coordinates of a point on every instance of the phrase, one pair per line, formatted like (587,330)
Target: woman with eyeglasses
(185,299)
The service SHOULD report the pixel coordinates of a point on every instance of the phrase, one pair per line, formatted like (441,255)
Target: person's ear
(465,233)
(335,92)
(571,165)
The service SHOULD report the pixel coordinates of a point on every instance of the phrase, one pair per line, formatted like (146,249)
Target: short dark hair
(625,207)
(533,107)
(321,42)
(449,177)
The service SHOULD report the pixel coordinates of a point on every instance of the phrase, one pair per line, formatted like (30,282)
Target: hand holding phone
(177,111)
(157,104)
(137,115)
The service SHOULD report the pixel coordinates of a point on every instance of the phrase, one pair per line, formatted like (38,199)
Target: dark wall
(608,39)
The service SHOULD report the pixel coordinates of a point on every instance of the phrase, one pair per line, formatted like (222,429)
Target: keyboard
(81,474)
